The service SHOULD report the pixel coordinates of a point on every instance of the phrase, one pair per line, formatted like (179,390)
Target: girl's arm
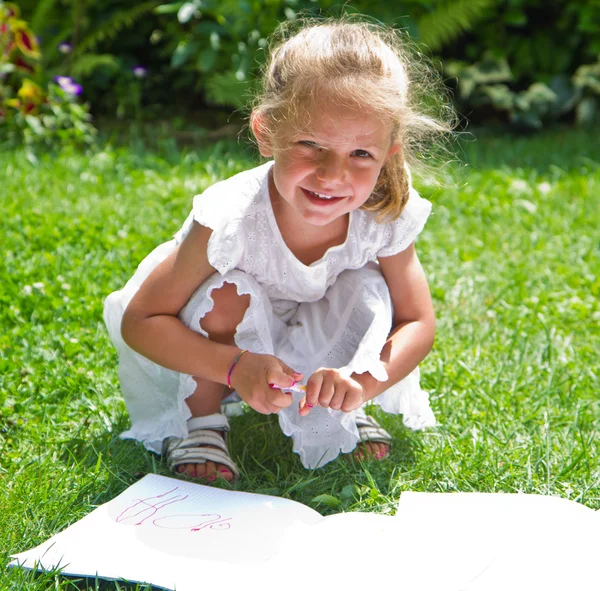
(150,325)
(410,339)
(413,324)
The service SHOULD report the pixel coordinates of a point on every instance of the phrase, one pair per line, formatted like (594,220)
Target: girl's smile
(321,200)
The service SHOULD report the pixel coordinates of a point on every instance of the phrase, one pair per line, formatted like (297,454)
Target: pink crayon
(293,388)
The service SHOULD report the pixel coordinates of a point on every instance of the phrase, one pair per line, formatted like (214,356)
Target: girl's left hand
(329,389)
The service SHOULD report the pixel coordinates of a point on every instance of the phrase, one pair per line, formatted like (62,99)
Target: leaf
(348,492)
(113,26)
(585,112)
(540,97)
(168,8)
(35,124)
(588,76)
(492,69)
(42,10)
(515,17)
(374,494)
(84,65)
(182,52)
(226,89)
(500,96)
(215,41)
(328,500)
(567,95)
(186,12)
(206,59)
(450,20)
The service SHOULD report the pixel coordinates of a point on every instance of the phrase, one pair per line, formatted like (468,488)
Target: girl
(300,271)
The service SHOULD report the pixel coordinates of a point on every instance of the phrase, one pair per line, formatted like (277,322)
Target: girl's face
(331,167)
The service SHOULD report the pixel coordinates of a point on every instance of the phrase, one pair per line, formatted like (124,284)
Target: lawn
(511,253)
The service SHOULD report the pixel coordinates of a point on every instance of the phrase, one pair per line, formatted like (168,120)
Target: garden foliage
(33,109)
(527,62)
(530,61)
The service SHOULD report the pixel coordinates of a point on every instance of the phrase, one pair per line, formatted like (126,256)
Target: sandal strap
(194,447)
(196,439)
(370,430)
(215,421)
(201,455)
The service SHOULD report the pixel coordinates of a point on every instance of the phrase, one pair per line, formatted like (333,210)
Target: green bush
(205,52)
(530,62)
(34,111)
(221,41)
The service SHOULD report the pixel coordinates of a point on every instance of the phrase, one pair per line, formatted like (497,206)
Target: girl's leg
(220,324)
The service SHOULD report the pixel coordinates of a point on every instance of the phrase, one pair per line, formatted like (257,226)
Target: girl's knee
(228,311)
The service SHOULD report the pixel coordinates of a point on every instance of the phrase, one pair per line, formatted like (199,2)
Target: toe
(225,473)
(371,450)
(190,470)
(380,451)
(210,472)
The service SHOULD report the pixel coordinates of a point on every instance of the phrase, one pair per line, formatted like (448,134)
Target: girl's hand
(257,379)
(329,389)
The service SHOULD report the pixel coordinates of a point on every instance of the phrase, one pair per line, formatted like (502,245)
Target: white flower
(27,289)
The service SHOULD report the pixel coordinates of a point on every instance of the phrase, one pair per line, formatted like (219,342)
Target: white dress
(335,312)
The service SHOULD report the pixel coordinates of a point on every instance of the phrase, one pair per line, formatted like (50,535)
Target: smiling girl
(296,285)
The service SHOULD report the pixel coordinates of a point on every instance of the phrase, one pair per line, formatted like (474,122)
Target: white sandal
(193,449)
(370,430)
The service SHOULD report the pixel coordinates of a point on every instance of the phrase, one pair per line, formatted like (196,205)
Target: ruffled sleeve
(224,207)
(223,216)
(401,233)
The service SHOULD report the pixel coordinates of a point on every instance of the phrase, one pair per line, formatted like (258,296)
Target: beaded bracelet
(233,365)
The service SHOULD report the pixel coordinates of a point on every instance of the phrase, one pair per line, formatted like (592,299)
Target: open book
(184,536)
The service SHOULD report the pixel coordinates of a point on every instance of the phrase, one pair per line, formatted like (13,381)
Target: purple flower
(139,71)
(68,85)
(64,48)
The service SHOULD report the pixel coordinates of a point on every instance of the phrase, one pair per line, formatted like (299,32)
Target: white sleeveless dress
(335,312)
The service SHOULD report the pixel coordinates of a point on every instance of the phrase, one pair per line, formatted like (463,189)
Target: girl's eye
(362,154)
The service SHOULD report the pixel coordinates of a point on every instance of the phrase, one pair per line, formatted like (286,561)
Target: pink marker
(293,388)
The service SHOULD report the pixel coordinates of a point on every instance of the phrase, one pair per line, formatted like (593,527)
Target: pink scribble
(151,508)
(193,522)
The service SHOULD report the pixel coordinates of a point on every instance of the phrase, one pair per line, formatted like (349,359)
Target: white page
(495,542)
(158,530)
(346,551)
(173,533)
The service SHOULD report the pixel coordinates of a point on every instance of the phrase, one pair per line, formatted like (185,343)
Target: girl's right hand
(257,379)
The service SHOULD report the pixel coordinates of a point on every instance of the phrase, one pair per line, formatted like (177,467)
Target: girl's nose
(331,168)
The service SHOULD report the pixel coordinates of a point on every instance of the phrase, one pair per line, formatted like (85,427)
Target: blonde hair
(355,65)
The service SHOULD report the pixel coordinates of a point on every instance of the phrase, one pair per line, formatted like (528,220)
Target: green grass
(512,256)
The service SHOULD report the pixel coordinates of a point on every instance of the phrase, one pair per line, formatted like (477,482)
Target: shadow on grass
(48,580)
(263,454)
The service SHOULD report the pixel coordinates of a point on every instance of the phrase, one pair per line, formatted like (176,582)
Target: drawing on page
(150,506)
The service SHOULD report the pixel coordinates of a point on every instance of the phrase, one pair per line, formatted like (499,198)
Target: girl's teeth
(322,196)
